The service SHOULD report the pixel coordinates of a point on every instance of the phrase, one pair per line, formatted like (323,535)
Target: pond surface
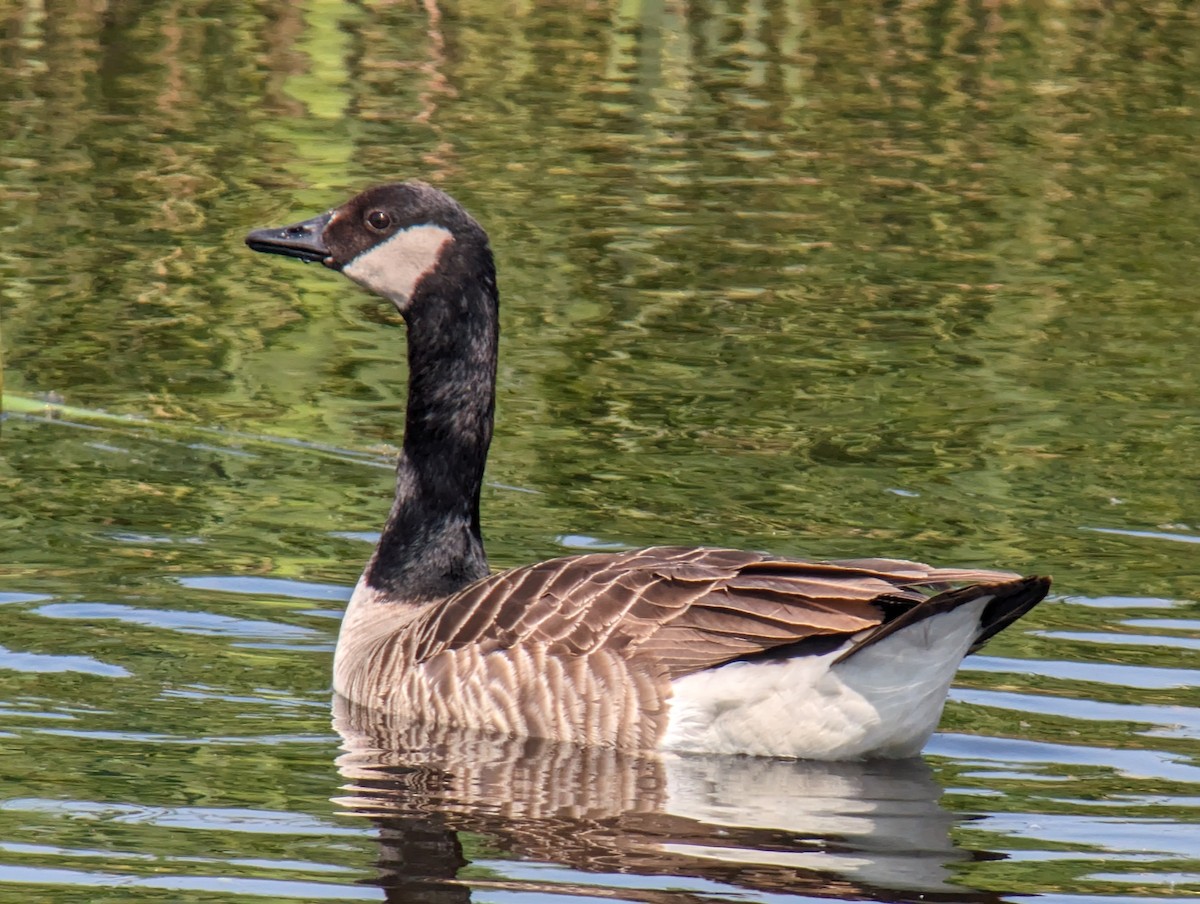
(827,280)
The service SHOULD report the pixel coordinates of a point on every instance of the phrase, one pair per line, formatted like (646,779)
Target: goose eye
(377,219)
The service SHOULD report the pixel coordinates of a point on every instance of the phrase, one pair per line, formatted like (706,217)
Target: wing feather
(679,608)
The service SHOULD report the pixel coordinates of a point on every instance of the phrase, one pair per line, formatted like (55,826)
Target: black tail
(1010,600)
(1007,607)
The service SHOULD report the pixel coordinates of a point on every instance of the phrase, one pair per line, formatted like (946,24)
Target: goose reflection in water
(718,824)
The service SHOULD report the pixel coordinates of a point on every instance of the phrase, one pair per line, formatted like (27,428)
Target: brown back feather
(679,609)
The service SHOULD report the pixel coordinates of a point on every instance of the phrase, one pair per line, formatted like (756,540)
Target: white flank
(393,268)
(884,701)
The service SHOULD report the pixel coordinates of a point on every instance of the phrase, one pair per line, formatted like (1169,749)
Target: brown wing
(685,608)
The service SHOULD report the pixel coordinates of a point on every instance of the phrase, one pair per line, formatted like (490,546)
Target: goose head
(392,239)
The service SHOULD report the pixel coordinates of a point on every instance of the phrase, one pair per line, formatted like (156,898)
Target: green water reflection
(914,279)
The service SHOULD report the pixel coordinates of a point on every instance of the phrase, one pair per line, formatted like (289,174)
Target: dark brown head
(389,239)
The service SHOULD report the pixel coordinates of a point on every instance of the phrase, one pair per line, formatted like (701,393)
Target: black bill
(301,240)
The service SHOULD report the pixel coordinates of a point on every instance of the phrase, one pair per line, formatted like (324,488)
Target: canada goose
(688,649)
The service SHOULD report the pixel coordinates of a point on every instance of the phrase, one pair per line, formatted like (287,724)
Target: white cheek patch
(393,268)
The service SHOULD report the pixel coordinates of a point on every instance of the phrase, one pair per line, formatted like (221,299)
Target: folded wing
(684,609)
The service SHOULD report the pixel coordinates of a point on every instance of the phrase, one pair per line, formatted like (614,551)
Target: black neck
(431,545)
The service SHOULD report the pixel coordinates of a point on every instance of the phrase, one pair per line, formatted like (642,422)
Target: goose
(671,648)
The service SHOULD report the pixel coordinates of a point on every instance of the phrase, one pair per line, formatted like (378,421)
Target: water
(828,281)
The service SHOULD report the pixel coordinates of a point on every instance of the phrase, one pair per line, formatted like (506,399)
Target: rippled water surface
(822,279)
